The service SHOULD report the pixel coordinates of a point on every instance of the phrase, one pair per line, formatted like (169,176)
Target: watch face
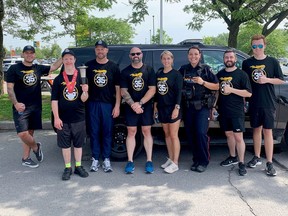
(177,106)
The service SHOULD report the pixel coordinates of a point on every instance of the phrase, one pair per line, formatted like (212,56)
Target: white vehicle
(10,61)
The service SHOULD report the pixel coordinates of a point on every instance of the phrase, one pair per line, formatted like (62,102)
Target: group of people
(190,94)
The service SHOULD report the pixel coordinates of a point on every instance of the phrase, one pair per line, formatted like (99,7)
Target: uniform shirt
(70,106)
(137,80)
(263,94)
(232,105)
(102,79)
(169,88)
(205,72)
(27,86)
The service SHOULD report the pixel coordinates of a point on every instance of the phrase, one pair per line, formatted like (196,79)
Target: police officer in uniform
(199,82)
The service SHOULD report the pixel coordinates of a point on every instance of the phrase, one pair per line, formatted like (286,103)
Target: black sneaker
(39,153)
(194,166)
(270,171)
(66,174)
(254,162)
(81,172)
(29,163)
(242,169)
(201,168)
(229,161)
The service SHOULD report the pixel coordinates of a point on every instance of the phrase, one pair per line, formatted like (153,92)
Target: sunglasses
(260,46)
(138,53)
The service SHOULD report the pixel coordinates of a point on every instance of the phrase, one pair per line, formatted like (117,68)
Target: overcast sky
(174,23)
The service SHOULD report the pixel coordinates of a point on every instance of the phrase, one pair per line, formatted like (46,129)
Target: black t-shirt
(70,106)
(263,94)
(102,79)
(26,81)
(137,80)
(169,88)
(205,72)
(232,105)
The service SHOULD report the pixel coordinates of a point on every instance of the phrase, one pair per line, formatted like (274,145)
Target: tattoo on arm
(127,97)
(11,93)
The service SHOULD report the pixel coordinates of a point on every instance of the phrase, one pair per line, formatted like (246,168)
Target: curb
(9,125)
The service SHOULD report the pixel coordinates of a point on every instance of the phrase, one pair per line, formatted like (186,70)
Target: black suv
(211,55)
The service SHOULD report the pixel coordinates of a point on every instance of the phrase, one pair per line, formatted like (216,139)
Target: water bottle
(156,118)
(215,115)
(246,107)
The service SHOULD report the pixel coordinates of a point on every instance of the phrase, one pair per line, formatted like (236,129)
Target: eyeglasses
(138,53)
(260,46)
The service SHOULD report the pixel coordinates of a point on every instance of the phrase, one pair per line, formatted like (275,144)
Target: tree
(156,38)
(270,13)
(113,31)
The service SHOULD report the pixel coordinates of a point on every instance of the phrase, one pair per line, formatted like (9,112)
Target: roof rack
(191,42)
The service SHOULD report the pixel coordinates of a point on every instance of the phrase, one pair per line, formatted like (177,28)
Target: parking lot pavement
(218,191)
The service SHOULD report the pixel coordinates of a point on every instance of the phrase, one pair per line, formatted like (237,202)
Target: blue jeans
(101,128)
(196,125)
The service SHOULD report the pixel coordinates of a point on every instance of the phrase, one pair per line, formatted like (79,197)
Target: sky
(174,24)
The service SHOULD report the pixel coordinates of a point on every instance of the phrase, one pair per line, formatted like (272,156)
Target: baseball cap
(101,43)
(68,51)
(29,48)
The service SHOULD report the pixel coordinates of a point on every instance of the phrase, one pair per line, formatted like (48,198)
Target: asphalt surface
(218,191)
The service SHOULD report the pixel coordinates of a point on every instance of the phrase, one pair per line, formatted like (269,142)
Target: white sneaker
(166,164)
(95,165)
(107,165)
(171,168)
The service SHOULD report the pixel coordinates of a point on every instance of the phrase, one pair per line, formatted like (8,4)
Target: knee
(132,132)
(23,135)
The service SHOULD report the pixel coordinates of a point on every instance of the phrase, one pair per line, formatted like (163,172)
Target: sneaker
(229,161)
(95,165)
(66,174)
(81,172)
(194,166)
(107,165)
(270,171)
(130,167)
(201,168)
(242,169)
(149,167)
(254,162)
(39,153)
(166,164)
(29,163)
(171,168)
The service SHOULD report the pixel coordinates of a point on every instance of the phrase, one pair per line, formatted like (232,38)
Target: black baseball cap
(68,51)
(29,48)
(101,43)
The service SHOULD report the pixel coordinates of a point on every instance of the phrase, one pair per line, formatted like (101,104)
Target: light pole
(161,22)
(153,26)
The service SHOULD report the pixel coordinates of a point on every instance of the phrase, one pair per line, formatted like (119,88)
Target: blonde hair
(258,37)
(166,52)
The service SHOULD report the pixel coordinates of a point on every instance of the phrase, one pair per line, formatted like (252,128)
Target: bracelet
(203,83)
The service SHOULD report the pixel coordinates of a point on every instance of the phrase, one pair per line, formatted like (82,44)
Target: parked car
(7,62)
(211,55)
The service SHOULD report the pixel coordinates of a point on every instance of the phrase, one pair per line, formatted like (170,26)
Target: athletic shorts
(72,133)
(144,119)
(165,113)
(232,124)
(30,119)
(262,117)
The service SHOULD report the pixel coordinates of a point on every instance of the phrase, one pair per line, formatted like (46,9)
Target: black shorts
(262,117)
(30,119)
(165,114)
(72,133)
(232,124)
(144,119)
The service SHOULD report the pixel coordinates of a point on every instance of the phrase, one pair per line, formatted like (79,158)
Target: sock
(78,163)
(68,165)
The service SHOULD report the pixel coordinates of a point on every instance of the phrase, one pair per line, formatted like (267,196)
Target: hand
(84,87)
(137,107)
(115,112)
(263,79)
(58,123)
(175,113)
(227,89)
(198,80)
(20,107)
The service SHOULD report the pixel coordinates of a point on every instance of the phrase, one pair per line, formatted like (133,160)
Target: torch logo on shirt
(29,77)
(257,72)
(162,85)
(225,81)
(70,96)
(137,82)
(100,78)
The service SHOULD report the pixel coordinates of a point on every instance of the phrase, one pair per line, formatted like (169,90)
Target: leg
(231,143)
(148,141)
(95,129)
(131,142)
(78,154)
(107,129)
(240,145)
(168,140)
(66,152)
(268,143)
(175,142)
(257,139)
(28,142)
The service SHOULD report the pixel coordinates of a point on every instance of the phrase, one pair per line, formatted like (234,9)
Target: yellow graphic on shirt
(100,78)
(137,82)
(258,71)
(162,86)
(29,77)
(225,81)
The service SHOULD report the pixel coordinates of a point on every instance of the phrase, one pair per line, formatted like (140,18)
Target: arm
(20,107)
(240,92)
(55,65)
(57,121)
(84,95)
(275,81)
(116,109)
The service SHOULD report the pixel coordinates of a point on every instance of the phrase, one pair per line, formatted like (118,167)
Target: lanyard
(70,85)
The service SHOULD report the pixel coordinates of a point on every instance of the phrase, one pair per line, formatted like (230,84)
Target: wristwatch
(177,106)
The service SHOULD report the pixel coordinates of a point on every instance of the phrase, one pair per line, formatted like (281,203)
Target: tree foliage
(156,38)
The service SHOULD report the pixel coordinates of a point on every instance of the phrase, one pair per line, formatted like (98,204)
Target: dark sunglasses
(260,46)
(133,54)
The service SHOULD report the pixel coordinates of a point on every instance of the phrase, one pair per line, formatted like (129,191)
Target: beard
(229,64)
(136,60)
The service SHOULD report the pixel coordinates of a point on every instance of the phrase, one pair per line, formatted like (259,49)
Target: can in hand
(156,118)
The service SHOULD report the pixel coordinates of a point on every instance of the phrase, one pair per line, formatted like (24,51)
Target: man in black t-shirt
(234,87)
(138,86)
(103,105)
(24,90)
(264,72)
